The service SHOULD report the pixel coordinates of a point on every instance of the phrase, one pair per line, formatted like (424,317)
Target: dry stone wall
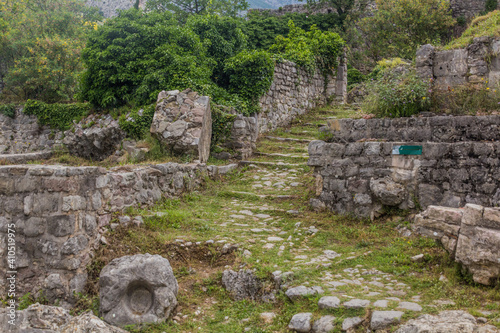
(477,63)
(362,177)
(59,215)
(22,134)
(471,235)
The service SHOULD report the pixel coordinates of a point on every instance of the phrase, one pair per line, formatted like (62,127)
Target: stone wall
(294,92)
(22,134)
(59,215)
(471,235)
(362,177)
(477,63)
(467,8)
(421,129)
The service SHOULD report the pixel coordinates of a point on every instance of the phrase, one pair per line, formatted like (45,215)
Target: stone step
(264,196)
(306,156)
(275,164)
(277,138)
(23,158)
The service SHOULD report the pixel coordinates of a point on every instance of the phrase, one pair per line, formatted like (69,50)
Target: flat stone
(302,291)
(274,239)
(357,304)
(383,319)
(325,324)
(267,317)
(410,306)
(352,322)
(328,302)
(380,304)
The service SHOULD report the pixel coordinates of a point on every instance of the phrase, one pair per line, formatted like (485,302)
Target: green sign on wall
(406,150)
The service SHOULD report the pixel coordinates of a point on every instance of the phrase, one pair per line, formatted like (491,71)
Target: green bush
(397,94)
(59,116)
(490,5)
(310,50)
(138,122)
(250,74)
(133,56)
(223,38)
(262,28)
(8,109)
(354,77)
(222,122)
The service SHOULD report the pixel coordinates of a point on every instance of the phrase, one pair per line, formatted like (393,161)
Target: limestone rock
(183,123)
(242,285)
(136,153)
(445,322)
(352,322)
(328,302)
(137,289)
(36,318)
(383,319)
(387,191)
(302,291)
(88,323)
(95,137)
(325,324)
(301,322)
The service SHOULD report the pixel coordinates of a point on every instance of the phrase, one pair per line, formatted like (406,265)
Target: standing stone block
(183,123)
(137,289)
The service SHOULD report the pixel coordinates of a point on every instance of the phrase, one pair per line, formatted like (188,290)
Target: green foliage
(250,74)
(186,8)
(490,5)
(40,46)
(397,94)
(310,50)
(354,77)
(486,25)
(399,27)
(57,115)
(467,99)
(223,38)
(344,8)
(222,123)
(135,55)
(8,109)
(262,28)
(137,123)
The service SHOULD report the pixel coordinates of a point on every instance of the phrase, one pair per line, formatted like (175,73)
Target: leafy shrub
(250,73)
(222,122)
(397,94)
(310,50)
(137,123)
(399,27)
(487,25)
(58,116)
(262,28)
(354,77)
(490,5)
(8,109)
(40,46)
(135,55)
(467,99)
(223,38)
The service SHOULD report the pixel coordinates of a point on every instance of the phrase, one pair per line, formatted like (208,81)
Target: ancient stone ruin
(471,235)
(183,123)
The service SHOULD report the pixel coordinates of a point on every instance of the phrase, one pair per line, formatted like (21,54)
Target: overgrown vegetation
(8,109)
(487,25)
(59,116)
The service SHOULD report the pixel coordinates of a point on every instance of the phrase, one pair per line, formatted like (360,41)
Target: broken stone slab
(384,319)
(183,123)
(95,137)
(137,289)
(301,322)
(453,321)
(328,302)
(387,191)
(352,322)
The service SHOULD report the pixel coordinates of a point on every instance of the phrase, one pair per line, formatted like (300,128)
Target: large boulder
(387,191)
(446,322)
(137,289)
(183,123)
(95,137)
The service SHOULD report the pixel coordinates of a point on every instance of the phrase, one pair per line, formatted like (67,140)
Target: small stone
(383,319)
(380,304)
(247,254)
(328,302)
(410,306)
(301,322)
(482,320)
(267,317)
(274,239)
(356,304)
(443,278)
(418,258)
(324,324)
(302,291)
(352,322)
